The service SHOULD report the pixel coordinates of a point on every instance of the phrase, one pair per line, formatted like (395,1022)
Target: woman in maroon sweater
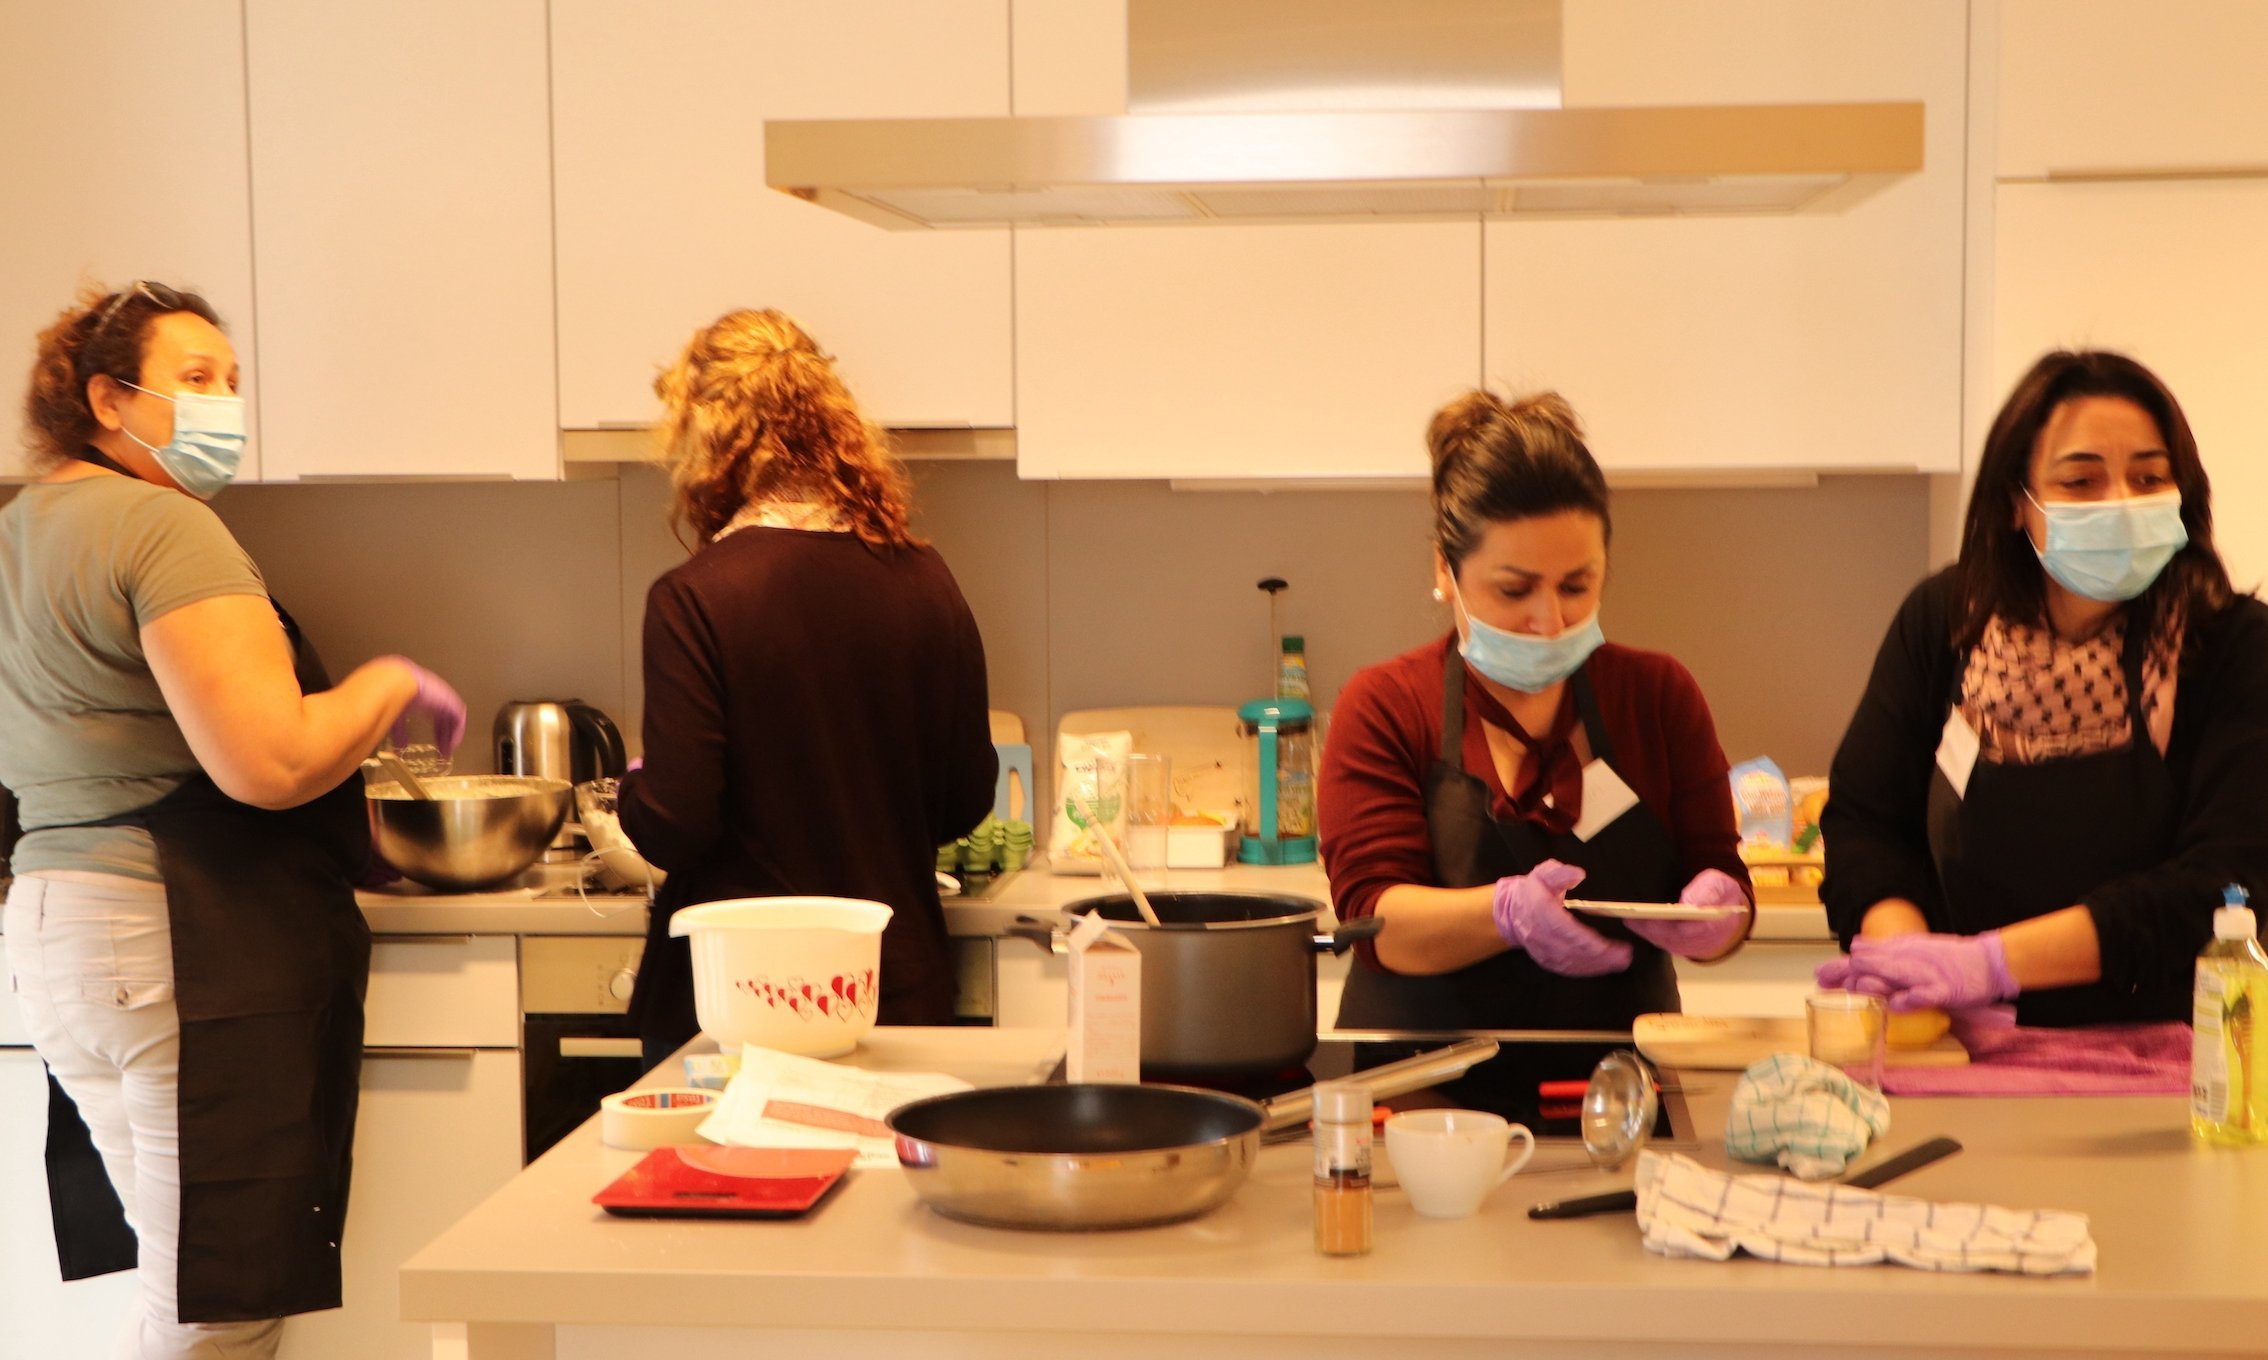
(815,691)
(1470,784)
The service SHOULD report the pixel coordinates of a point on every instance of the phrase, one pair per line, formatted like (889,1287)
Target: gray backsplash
(1097,594)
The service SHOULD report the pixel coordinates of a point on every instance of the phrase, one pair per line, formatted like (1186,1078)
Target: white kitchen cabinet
(1311,350)
(439,1131)
(2172,273)
(664,220)
(1805,341)
(401,207)
(2115,86)
(122,149)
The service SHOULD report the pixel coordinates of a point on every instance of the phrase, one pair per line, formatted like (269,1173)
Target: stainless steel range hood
(1343,110)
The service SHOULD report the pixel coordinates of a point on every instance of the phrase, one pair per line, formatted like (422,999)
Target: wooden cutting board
(1730,1043)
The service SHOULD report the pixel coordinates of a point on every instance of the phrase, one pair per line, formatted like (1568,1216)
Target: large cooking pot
(1075,1158)
(1228,978)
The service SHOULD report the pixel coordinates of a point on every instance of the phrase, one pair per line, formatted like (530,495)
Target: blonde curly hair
(753,409)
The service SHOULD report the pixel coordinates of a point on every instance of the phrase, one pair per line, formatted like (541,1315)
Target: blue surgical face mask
(207,444)
(1523,661)
(2111,551)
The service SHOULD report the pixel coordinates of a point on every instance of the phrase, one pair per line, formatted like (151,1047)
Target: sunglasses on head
(158,293)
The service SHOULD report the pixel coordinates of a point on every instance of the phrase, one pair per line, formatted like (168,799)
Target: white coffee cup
(1448,1160)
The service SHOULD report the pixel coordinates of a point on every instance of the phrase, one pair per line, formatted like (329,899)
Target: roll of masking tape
(663,1117)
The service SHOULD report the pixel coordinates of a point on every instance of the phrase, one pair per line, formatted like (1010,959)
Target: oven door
(576,1041)
(568,1063)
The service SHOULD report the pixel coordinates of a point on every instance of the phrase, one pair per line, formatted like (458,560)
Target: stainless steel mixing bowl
(475,832)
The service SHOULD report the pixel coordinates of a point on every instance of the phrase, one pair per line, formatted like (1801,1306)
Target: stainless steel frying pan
(1084,1157)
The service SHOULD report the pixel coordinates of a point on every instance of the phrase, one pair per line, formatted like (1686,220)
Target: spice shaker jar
(1342,1168)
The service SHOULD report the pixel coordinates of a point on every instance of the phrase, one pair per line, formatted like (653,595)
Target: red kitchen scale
(726,1182)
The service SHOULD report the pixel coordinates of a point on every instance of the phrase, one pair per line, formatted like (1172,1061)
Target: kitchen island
(536,1271)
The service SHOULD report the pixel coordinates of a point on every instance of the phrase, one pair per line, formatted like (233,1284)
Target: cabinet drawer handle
(466,1054)
(601,1048)
(424,939)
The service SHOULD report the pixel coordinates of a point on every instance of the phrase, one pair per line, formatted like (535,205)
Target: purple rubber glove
(1531,914)
(434,700)
(1920,972)
(1701,939)
(636,764)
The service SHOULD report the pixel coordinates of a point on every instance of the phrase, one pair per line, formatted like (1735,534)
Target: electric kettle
(563,739)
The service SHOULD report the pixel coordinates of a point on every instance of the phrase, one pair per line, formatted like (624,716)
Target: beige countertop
(2182,1232)
(545,902)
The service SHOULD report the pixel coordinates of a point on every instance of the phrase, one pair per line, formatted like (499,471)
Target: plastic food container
(797,974)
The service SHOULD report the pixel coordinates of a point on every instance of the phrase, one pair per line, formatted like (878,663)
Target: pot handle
(1038,932)
(1349,934)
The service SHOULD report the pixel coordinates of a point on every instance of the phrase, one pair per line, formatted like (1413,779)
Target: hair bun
(1457,425)
(1547,408)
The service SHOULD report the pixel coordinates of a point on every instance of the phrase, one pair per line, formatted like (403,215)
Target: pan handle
(1038,932)
(1349,934)
(1295,1108)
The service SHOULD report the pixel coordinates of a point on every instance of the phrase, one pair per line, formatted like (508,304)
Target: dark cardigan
(2151,922)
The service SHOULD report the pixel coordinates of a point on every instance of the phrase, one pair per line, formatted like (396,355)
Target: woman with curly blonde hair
(815,717)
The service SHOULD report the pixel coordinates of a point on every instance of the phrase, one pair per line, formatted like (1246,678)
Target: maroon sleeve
(671,809)
(1370,800)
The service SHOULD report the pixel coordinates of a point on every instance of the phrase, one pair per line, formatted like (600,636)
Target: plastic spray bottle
(2227,1104)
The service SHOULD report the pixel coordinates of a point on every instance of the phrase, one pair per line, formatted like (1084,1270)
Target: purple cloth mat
(2007,1060)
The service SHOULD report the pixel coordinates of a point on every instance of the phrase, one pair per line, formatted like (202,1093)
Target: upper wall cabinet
(2173,274)
(1241,351)
(2094,88)
(1809,341)
(665,222)
(122,153)
(1231,351)
(402,206)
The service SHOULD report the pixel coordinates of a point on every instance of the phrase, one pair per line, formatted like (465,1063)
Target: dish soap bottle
(2226,1102)
(1291,668)
(1342,1168)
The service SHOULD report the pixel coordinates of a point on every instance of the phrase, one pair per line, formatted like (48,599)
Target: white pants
(91,961)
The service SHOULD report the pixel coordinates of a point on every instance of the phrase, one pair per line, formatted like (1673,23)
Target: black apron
(2026,840)
(271,959)
(1631,859)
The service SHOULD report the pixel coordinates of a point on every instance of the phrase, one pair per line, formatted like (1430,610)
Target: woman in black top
(815,717)
(2061,758)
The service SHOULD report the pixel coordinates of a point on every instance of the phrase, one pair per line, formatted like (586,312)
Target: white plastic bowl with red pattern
(797,974)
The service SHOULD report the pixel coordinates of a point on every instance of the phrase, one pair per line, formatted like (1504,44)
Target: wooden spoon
(1116,856)
(395,766)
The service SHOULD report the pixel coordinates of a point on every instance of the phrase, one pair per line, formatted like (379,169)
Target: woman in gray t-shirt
(181,931)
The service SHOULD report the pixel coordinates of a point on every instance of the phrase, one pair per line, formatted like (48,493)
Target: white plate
(1653,911)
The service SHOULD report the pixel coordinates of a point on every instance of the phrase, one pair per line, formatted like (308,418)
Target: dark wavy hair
(2000,573)
(1496,460)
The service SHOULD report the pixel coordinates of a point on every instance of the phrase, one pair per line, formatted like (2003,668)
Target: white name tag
(1957,752)
(1605,797)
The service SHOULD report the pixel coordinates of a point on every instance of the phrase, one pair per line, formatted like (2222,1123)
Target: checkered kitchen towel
(1804,1114)
(1685,1209)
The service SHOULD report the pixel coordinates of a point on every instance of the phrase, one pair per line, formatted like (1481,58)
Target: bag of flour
(1092,765)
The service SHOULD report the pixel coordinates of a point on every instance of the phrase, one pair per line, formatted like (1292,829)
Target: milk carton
(1105,1042)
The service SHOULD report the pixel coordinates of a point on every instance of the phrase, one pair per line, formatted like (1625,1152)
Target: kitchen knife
(1912,1159)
